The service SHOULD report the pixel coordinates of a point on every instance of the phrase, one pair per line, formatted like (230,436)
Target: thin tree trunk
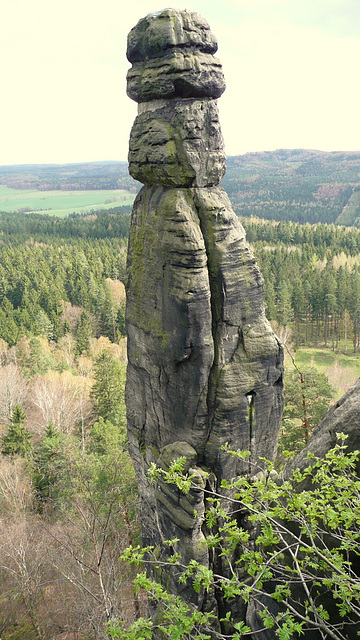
(355,335)
(305,418)
(345,329)
(326,328)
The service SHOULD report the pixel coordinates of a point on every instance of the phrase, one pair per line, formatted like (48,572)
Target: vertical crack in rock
(204,366)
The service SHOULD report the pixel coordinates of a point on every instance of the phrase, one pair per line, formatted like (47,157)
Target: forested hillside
(62,276)
(67,489)
(298,185)
(312,279)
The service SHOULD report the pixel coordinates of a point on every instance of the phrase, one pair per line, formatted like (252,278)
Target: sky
(291,69)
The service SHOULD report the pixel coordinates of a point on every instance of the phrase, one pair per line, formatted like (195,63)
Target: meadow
(341,370)
(62,203)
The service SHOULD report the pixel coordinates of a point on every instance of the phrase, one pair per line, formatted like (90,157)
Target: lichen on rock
(177,143)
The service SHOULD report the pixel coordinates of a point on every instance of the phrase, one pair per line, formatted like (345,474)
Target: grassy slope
(351,212)
(341,370)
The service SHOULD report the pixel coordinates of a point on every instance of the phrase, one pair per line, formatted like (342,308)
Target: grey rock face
(177,143)
(204,366)
(161,31)
(171,52)
(168,320)
(196,326)
(180,73)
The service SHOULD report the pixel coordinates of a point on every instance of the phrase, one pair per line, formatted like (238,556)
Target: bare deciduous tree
(13,390)
(15,487)
(63,399)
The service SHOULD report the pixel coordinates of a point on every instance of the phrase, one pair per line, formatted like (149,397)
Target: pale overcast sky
(291,67)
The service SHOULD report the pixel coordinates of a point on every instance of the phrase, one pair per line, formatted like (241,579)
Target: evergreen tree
(37,360)
(17,439)
(307,397)
(270,302)
(108,389)
(44,325)
(285,312)
(48,461)
(354,306)
(298,305)
(105,437)
(120,321)
(83,334)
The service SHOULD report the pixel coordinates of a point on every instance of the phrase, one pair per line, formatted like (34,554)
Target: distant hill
(68,177)
(298,184)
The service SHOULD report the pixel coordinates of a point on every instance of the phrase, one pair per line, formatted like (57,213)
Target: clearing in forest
(62,203)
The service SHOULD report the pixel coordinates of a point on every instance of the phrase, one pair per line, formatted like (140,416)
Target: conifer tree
(48,457)
(108,389)
(83,334)
(17,439)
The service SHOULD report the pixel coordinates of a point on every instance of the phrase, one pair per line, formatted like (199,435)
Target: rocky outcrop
(172,56)
(204,366)
(177,143)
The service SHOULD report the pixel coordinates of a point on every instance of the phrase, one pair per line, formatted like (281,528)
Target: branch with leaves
(300,573)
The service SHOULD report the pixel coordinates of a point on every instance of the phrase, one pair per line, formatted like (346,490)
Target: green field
(61,203)
(341,370)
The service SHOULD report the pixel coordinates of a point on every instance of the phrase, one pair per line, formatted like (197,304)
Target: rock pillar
(204,366)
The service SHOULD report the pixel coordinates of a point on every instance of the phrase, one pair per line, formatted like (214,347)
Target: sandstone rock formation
(204,366)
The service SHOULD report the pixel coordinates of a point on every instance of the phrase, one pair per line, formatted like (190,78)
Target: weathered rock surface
(168,320)
(204,366)
(200,347)
(180,73)
(171,52)
(177,143)
(154,35)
